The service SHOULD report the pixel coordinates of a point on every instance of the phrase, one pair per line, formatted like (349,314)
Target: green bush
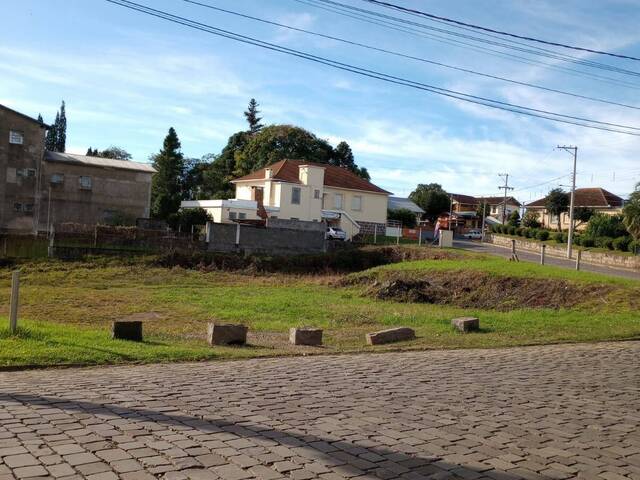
(604,242)
(603,225)
(634,247)
(621,244)
(528,232)
(587,241)
(511,230)
(542,235)
(558,237)
(577,240)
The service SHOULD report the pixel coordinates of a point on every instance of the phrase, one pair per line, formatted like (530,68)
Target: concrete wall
(599,258)
(296,225)
(223,237)
(15,186)
(113,192)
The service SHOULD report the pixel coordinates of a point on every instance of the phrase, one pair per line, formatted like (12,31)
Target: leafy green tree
(582,215)
(251,114)
(343,157)
(631,213)
(514,219)
(432,199)
(531,219)
(116,153)
(556,203)
(407,217)
(184,219)
(40,120)
(166,187)
(280,142)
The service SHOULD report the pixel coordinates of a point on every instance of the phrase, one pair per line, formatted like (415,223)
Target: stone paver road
(532,413)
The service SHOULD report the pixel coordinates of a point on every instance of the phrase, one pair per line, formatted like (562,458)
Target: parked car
(473,234)
(335,233)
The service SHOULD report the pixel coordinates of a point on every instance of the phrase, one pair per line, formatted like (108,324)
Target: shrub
(558,237)
(604,242)
(621,244)
(533,232)
(520,231)
(634,247)
(527,232)
(602,225)
(577,240)
(542,235)
(511,230)
(530,220)
(587,241)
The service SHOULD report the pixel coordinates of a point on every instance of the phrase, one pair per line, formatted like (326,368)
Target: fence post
(237,234)
(419,236)
(578,258)
(95,236)
(375,234)
(399,232)
(15,292)
(543,251)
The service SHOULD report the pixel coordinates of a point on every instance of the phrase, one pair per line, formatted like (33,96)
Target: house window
(26,172)
(17,207)
(232,215)
(57,178)
(16,137)
(242,216)
(338,201)
(295,196)
(28,208)
(316,194)
(356,203)
(85,183)
(294,218)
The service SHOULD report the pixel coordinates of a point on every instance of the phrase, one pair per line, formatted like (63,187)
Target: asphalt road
(534,257)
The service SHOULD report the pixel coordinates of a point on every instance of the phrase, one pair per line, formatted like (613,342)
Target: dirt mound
(480,290)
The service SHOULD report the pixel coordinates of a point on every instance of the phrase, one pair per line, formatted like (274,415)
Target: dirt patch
(482,291)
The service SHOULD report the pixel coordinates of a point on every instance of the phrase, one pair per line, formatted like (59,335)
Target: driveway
(534,413)
(534,257)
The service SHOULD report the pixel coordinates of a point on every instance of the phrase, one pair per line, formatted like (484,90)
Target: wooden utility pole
(15,293)
(506,189)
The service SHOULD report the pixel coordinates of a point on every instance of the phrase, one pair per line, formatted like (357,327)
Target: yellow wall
(373,205)
(552,223)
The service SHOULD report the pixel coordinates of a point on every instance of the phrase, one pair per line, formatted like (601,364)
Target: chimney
(268,173)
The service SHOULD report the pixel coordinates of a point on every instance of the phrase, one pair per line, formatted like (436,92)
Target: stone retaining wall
(599,258)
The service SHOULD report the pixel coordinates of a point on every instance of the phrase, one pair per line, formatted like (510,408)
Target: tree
(89,152)
(514,219)
(531,220)
(51,140)
(343,157)
(166,187)
(61,130)
(556,203)
(432,199)
(251,114)
(40,120)
(631,213)
(116,153)
(582,215)
(280,142)
(184,220)
(407,217)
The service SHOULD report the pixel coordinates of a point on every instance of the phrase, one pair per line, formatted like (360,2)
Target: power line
(462,44)
(510,43)
(411,57)
(496,104)
(478,27)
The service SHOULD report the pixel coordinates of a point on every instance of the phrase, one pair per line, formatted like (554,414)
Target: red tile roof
(469,200)
(588,197)
(288,171)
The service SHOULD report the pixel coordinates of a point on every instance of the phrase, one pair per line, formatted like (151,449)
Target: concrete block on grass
(391,335)
(127,330)
(305,336)
(466,324)
(226,334)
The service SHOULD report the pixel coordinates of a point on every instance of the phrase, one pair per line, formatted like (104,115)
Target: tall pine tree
(166,189)
(61,139)
(40,120)
(252,116)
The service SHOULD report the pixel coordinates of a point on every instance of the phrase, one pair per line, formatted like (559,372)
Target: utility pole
(506,189)
(574,151)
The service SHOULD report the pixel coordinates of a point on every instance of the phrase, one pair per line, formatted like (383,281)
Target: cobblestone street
(539,412)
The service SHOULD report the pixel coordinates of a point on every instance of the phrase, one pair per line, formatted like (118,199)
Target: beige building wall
(362,206)
(550,221)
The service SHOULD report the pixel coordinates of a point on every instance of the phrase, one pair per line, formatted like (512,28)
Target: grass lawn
(67,308)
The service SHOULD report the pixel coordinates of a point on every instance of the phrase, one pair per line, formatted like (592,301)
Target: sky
(127,77)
